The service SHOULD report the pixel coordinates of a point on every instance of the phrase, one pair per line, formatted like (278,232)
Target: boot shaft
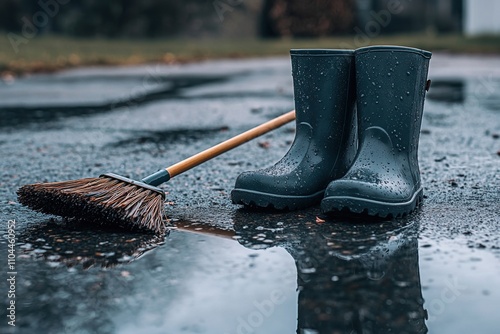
(391,83)
(324,87)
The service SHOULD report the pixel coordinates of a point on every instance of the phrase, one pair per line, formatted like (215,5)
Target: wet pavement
(224,269)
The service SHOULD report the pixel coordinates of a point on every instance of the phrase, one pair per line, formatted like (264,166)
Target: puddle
(458,280)
(472,91)
(223,288)
(82,243)
(269,274)
(62,105)
(452,91)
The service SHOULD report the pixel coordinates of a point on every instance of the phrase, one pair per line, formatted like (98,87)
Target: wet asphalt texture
(225,269)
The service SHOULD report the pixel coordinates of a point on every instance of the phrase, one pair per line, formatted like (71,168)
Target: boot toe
(257,188)
(280,192)
(381,199)
(255,181)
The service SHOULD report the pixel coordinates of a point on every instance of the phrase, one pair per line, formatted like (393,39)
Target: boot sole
(272,201)
(347,204)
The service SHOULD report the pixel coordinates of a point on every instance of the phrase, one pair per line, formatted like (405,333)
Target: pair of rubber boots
(358,118)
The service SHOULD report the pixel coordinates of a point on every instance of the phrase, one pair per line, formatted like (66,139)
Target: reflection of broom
(114,199)
(80,245)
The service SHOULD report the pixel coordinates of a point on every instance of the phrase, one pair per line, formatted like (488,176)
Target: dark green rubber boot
(324,145)
(384,180)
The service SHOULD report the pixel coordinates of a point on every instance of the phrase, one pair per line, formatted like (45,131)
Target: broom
(114,199)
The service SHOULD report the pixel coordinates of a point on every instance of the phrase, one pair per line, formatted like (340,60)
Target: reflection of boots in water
(352,278)
(365,286)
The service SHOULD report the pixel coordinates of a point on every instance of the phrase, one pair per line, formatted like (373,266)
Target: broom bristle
(105,199)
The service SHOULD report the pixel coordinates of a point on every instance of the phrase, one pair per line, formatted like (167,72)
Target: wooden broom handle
(229,144)
(204,229)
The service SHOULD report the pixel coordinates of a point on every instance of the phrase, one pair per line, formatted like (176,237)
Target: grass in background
(51,53)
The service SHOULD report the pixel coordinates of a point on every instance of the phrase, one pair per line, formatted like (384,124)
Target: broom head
(108,199)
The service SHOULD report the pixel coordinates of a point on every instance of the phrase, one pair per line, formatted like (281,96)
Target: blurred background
(245,18)
(51,34)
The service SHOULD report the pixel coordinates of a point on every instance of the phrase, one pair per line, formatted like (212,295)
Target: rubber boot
(324,144)
(384,179)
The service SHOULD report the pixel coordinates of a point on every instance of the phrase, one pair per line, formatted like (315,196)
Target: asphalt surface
(224,269)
